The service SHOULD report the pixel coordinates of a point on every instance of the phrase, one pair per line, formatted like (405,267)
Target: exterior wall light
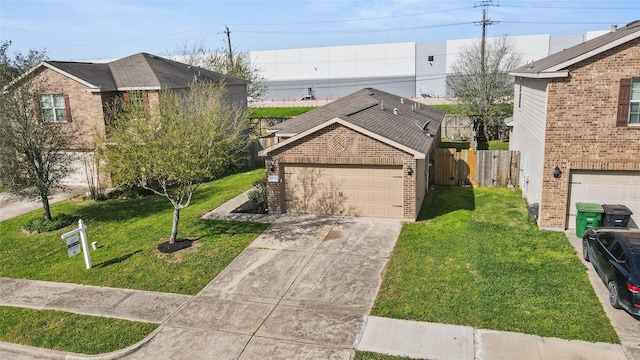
(272,167)
(409,171)
(557,172)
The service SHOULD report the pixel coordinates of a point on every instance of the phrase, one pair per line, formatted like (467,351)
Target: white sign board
(73,245)
(273,178)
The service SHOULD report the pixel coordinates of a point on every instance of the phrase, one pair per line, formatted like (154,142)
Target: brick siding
(354,149)
(581,130)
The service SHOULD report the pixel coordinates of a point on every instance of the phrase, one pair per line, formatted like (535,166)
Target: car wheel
(585,249)
(613,294)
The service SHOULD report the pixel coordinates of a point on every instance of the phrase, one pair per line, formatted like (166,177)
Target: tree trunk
(46,211)
(174,228)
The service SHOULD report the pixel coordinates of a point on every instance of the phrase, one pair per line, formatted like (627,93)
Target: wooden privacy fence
(491,168)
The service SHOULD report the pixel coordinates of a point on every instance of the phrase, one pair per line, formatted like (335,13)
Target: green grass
(363,355)
(473,260)
(451,109)
(128,232)
(458,145)
(279,111)
(466,145)
(493,145)
(69,332)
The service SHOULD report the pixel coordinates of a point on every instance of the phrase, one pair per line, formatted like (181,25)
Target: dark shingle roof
(95,74)
(577,53)
(375,111)
(140,71)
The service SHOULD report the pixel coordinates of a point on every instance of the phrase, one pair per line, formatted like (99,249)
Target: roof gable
(555,65)
(145,71)
(140,71)
(401,123)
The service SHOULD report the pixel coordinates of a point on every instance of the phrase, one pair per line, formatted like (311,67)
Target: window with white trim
(53,108)
(634,102)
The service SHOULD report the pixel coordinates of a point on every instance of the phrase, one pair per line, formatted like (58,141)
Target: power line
(484,4)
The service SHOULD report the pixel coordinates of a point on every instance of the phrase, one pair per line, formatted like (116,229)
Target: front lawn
(127,233)
(473,260)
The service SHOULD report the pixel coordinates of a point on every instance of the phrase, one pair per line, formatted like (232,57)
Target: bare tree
(485,90)
(225,61)
(12,66)
(192,137)
(33,156)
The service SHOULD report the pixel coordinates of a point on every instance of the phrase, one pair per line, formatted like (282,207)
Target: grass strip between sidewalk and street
(473,260)
(64,331)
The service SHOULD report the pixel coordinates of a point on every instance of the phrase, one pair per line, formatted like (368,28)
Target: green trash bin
(588,216)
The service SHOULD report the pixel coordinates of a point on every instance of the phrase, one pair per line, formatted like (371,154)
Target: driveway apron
(302,289)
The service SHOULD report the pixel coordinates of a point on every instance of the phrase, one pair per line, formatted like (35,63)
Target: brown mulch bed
(249,207)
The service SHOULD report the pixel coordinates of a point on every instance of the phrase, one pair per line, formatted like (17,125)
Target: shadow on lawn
(219,227)
(445,199)
(119,259)
(124,209)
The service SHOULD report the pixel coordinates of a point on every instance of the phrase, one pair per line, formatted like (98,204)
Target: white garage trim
(604,187)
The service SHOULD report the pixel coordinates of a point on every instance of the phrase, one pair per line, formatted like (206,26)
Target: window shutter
(624,97)
(67,107)
(36,105)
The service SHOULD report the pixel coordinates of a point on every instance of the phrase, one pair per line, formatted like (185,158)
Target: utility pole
(484,4)
(228,32)
(481,131)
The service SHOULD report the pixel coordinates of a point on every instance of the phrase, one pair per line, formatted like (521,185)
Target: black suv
(615,254)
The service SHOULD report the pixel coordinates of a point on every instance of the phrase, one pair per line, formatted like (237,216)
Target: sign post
(73,245)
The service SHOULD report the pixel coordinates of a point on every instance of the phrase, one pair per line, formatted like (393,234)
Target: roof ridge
(146,57)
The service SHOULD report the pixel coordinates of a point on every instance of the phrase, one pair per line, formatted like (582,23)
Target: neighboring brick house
(80,92)
(577,126)
(366,154)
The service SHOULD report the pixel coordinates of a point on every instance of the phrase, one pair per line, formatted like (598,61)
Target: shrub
(259,195)
(56,222)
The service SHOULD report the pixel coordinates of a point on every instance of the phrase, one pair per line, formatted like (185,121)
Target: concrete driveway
(626,326)
(302,289)
(11,206)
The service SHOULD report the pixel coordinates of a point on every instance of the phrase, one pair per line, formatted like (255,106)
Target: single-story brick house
(80,92)
(367,154)
(576,123)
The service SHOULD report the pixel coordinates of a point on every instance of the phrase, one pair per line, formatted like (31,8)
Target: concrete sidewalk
(135,305)
(420,340)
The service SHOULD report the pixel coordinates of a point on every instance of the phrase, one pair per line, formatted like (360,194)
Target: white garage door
(605,187)
(344,190)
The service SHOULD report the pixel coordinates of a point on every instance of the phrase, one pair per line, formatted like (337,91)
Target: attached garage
(604,187)
(370,191)
(366,154)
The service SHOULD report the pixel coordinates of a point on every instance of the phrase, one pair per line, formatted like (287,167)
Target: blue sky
(109,29)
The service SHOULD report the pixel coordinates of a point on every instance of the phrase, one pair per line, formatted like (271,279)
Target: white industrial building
(405,69)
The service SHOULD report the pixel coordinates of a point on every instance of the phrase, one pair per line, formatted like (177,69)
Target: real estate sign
(73,245)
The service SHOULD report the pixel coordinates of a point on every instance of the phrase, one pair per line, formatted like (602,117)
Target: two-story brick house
(577,126)
(366,154)
(81,92)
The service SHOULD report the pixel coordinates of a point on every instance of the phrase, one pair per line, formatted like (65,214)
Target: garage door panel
(604,187)
(344,190)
